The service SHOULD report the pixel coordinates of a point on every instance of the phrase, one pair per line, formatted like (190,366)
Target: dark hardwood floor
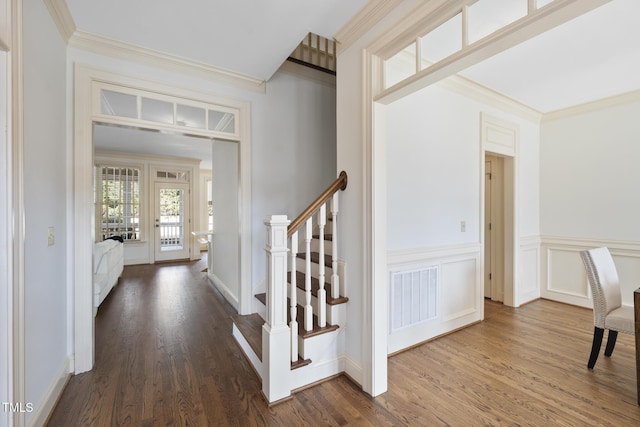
(165,356)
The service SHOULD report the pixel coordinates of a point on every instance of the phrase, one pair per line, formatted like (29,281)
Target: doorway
(172,221)
(494,228)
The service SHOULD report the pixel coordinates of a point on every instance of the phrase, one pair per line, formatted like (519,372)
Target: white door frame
(12,216)
(84,230)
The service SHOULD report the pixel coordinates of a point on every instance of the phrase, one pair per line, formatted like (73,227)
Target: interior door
(172,221)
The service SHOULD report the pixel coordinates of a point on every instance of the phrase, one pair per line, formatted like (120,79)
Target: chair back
(604,282)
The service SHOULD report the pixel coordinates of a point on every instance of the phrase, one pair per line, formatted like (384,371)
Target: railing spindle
(322,294)
(293,323)
(308,310)
(335,279)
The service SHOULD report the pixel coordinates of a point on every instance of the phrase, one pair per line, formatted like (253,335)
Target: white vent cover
(414,296)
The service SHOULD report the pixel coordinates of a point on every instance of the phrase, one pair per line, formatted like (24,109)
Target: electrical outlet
(463,226)
(51,236)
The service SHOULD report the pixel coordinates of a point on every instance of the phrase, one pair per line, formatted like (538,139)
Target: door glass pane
(193,117)
(171,219)
(222,122)
(155,110)
(488,16)
(118,104)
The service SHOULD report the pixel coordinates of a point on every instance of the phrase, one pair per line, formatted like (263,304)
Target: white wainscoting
(563,275)
(528,282)
(459,290)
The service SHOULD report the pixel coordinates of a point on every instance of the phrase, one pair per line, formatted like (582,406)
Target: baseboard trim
(43,410)
(224,290)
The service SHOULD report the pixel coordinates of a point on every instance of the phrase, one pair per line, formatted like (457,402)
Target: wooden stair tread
(317,330)
(250,326)
(315,258)
(300,363)
(315,285)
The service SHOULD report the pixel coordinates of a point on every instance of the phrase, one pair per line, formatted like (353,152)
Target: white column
(275,332)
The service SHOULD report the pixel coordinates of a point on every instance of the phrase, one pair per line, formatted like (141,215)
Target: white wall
(434,180)
(295,158)
(45,194)
(589,176)
(224,257)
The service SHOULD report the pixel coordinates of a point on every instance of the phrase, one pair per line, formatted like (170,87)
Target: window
(118,201)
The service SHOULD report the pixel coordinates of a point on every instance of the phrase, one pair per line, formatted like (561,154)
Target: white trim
(117,49)
(417,256)
(590,107)
(83,208)
(491,97)
(62,17)
(363,21)
(43,410)
(17,359)
(224,290)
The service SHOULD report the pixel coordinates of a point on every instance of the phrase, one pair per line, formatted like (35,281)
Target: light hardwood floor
(165,356)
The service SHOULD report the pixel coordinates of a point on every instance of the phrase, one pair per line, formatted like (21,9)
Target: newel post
(276,334)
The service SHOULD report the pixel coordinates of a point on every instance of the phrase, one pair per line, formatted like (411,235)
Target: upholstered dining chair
(608,311)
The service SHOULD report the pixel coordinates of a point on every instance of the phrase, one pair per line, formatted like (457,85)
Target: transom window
(185,115)
(118,201)
(475,21)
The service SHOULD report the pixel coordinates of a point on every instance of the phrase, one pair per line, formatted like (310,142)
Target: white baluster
(335,279)
(293,323)
(322,295)
(308,310)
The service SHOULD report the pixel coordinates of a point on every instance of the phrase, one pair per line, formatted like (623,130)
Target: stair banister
(338,184)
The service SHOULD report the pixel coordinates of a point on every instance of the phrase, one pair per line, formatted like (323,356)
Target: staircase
(294,339)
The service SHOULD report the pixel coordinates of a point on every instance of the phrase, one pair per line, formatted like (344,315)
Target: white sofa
(108,263)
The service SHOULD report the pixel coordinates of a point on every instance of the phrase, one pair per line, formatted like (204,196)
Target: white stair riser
(334,312)
(319,347)
(315,246)
(301,266)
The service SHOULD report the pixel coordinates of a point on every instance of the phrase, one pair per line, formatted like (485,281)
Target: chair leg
(595,347)
(611,343)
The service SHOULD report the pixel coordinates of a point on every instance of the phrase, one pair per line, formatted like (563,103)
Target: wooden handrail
(338,184)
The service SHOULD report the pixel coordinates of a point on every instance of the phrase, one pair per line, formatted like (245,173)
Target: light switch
(51,236)
(463,226)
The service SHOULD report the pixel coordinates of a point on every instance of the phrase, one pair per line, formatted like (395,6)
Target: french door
(172,221)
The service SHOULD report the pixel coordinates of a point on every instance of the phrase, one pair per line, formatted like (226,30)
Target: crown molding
(481,93)
(589,107)
(117,49)
(363,21)
(484,94)
(62,17)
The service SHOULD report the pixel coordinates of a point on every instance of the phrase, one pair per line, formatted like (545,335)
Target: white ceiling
(251,37)
(592,57)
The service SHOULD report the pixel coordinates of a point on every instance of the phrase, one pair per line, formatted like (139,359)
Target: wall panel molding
(563,275)
(459,298)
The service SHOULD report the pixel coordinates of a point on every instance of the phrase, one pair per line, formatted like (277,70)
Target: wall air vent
(414,297)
